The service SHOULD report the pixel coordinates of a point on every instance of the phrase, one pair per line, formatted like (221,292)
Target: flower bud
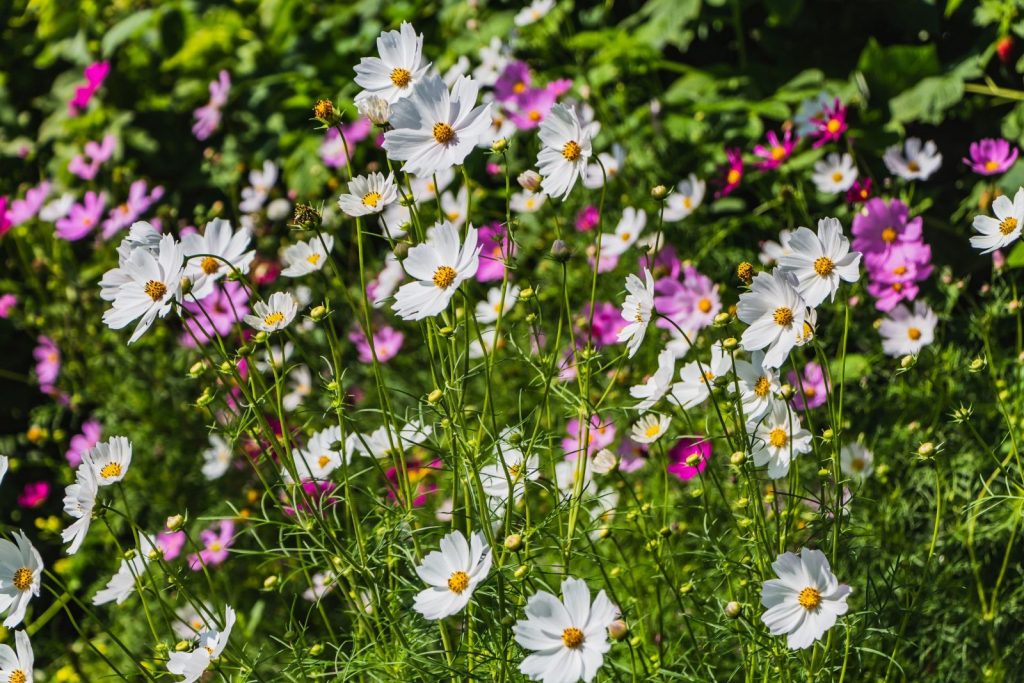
(908,361)
(560,251)
(325,113)
(499,145)
(316,649)
(617,630)
(186,285)
(722,319)
(977,365)
(306,217)
(434,396)
(529,180)
(926,450)
(730,343)
(375,108)
(693,460)
(270,581)
(526,294)
(604,461)
(318,313)
(659,192)
(745,272)
(737,458)
(521,571)
(514,542)
(733,609)
(244,351)
(196,369)
(182,645)
(260,337)
(175,522)
(828,435)
(401,250)
(447,331)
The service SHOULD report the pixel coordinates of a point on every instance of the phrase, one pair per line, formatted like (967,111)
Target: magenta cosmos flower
(208,116)
(421,483)
(5,220)
(860,192)
(991,156)
(82,443)
(215,315)
(138,202)
(587,218)
(170,543)
(632,455)
(82,218)
(47,357)
(496,248)
(815,389)
(830,124)
(601,435)
(606,325)
(24,210)
(514,81)
(387,342)
(217,539)
(733,171)
(776,151)
(97,153)
(893,276)
(528,110)
(880,225)
(95,74)
(680,454)
(34,494)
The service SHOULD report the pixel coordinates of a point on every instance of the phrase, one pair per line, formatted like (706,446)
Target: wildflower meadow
(677,340)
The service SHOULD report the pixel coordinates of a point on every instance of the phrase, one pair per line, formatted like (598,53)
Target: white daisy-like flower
(452,574)
(274,314)
(566,474)
(569,637)
(479,348)
(820,261)
(806,599)
(434,129)
(637,310)
(527,202)
(428,188)
(593,178)
(400,67)
(369,194)
(300,386)
(916,161)
(697,379)
(688,196)
(394,221)
(260,184)
(324,453)
(657,385)
(771,251)
(565,152)
(1004,229)
(439,266)
(758,386)
(488,311)
(110,460)
(58,208)
(680,342)
(513,469)
(147,286)
(79,501)
(650,428)
(303,258)
(534,12)
(190,621)
(834,173)
(856,461)
(4,464)
(322,584)
(216,458)
(16,665)
(778,439)
(211,643)
(493,60)
(775,312)
(627,232)
(378,444)
(123,583)
(905,332)
(214,254)
(21,568)
(453,207)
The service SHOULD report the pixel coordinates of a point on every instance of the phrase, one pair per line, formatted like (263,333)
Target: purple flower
(95,74)
(496,249)
(529,109)
(776,151)
(733,171)
(333,153)
(387,342)
(138,202)
(691,304)
(7,302)
(860,192)
(894,276)
(34,494)
(683,450)
(170,543)
(880,225)
(23,210)
(830,124)
(98,153)
(666,263)
(216,545)
(601,435)
(320,492)
(632,455)
(82,218)
(815,389)
(80,444)
(5,221)
(227,305)
(606,325)
(47,357)
(513,81)
(991,156)
(208,117)
(587,218)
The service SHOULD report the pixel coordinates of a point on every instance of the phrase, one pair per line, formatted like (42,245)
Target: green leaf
(893,69)
(928,100)
(125,29)
(857,366)
(1015,259)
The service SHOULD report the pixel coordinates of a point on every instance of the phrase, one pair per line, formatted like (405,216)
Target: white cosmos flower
(857,461)
(637,310)
(434,129)
(688,196)
(565,151)
(487,311)
(20,570)
(569,637)
(375,108)
(16,666)
(650,428)
(516,470)
(775,312)
(394,221)
(439,266)
(916,161)
(378,445)
(657,385)
(147,286)
(323,583)
(191,621)
(493,60)
(192,665)
(697,379)
(4,464)
(303,258)
(779,439)
(758,386)
(387,280)
(300,385)
(834,173)
(1004,229)
(452,574)
(771,251)
(566,474)
(216,458)
(428,188)
(58,208)
(534,12)
(122,584)
(905,332)
(593,178)
(453,207)
(324,453)
(527,202)
(806,599)
(627,232)
(393,74)
(368,194)
(820,261)
(214,254)
(110,460)
(260,184)
(79,500)
(274,314)
(478,348)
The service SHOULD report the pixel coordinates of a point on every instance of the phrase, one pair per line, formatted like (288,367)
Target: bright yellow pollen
(458,582)
(899,270)
(837,176)
(810,391)
(401,77)
(897,286)
(913,333)
(17,676)
(733,176)
(209,265)
(991,165)
(443,133)
(809,598)
(833,125)
(778,437)
(313,259)
(572,150)
(572,637)
(625,236)
(704,305)
(778,153)
(22,579)
(274,318)
(444,277)
(1008,225)
(762,387)
(688,202)
(216,546)
(155,290)
(534,115)
(888,235)
(110,470)
(514,470)
(783,316)
(652,431)
(323,460)
(370,199)
(824,266)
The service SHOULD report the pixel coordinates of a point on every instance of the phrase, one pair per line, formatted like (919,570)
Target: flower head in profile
(637,311)
(209,646)
(109,460)
(819,261)
(565,151)
(23,210)
(806,599)
(830,123)
(657,385)
(688,196)
(1004,229)
(21,569)
(276,313)
(452,574)
(438,267)
(991,156)
(689,457)
(568,637)
(509,474)
(214,254)
(733,172)
(907,332)
(397,70)
(834,174)
(917,160)
(368,194)
(79,500)
(208,116)
(776,314)
(16,665)
(303,258)
(776,151)
(778,439)
(147,284)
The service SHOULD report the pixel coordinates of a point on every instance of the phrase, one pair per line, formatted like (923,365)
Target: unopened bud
(828,435)
(730,343)
(926,449)
(270,581)
(175,522)
(659,192)
(434,396)
(745,272)
(907,361)
(514,542)
(526,294)
(617,630)
(316,649)
(737,458)
(521,571)
(196,369)
(325,113)
(318,313)
(182,645)
(499,145)
(733,609)
(977,365)
(529,180)
(186,285)
(401,250)
(722,319)
(560,251)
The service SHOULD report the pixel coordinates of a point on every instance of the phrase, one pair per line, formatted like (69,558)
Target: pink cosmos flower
(606,325)
(217,543)
(34,494)
(170,543)
(776,151)
(528,110)
(47,357)
(333,153)
(894,275)
(7,302)
(860,192)
(666,263)
(681,452)
(496,249)
(5,220)
(601,435)
(880,225)
(23,210)
(98,154)
(95,74)
(587,218)
(830,123)
(421,483)
(220,310)
(609,260)
(632,455)
(733,171)
(815,388)
(208,116)
(991,156)
(80,444)
(387,342)
(138,202)
(82,218)
(264,271)
(691,304)
(514,81)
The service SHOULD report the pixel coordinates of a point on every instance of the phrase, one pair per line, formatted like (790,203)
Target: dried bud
(325,113)
(306,217)
(745,272)
(560,251)
(659,192)
(375,108)
(529,180)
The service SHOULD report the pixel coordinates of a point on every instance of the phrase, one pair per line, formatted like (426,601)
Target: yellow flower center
(273,318)
(653,430)
(761,387)
(110,470)
(443,133)
(323,460)
(209,265)
(519,88)
(897,286)
(991,165)
(313,259)
(370,199)
(688,202)
(572,637)
(824,266)
(809,598)
(1008,225)
(833,126)
(514,470)
(899,270)
(534,115)
(810,391)
(889,235)
(783,316)
(155,290)
(458,582)
(704,305)
(837,176)
(22,579)
(444,277)
(913,333)
(17,676)
(913,166)
(733,176)
(778,437)
(778,152)
(857,464)
(216,546)
(401,77)
(572,150)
